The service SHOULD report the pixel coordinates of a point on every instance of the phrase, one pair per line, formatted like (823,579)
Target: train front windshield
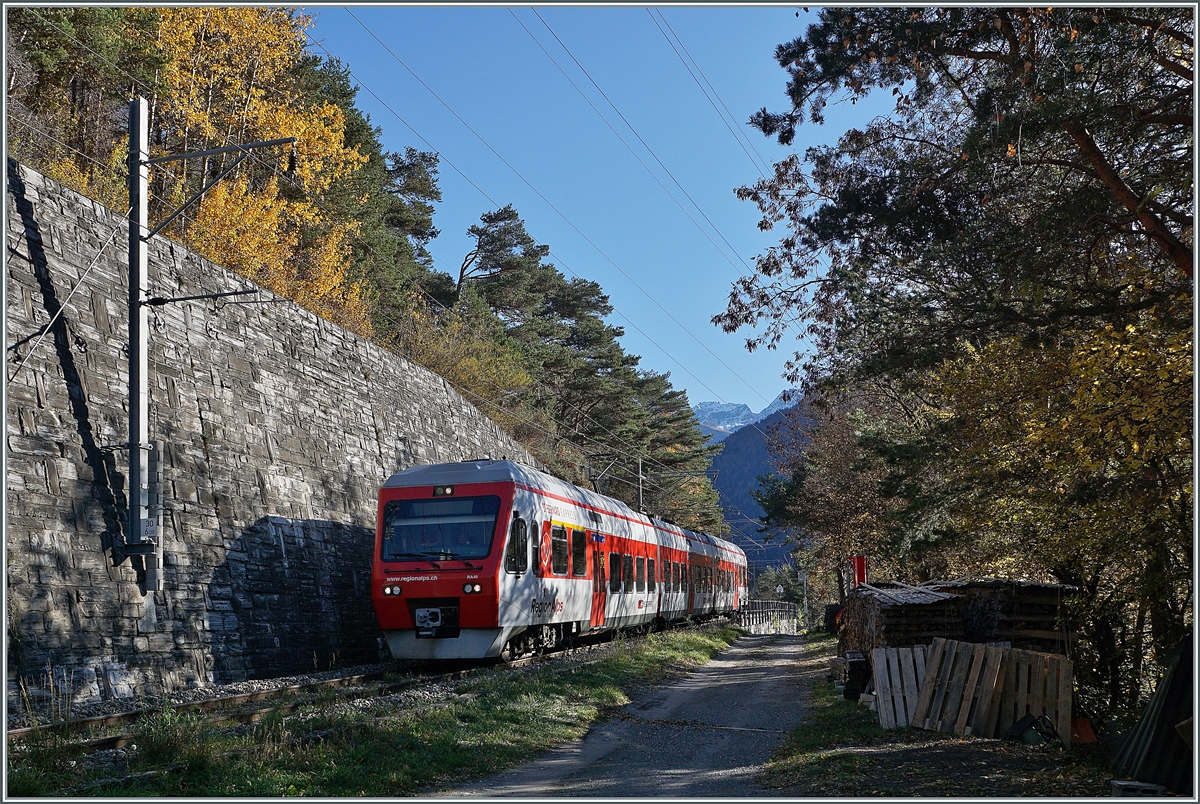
(443,529)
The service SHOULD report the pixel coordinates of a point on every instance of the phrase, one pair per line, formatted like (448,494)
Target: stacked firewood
(896,615)
(1029,616)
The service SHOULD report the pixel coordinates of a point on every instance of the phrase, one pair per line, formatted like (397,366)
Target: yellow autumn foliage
(109,187)
(229,77)
(246,231)
(1077,450)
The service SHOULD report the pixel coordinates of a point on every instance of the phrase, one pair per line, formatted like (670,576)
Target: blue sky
(604,216)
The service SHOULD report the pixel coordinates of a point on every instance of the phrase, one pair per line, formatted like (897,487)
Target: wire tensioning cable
(67,301)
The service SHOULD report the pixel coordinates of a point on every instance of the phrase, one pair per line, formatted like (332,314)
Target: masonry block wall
(280,428)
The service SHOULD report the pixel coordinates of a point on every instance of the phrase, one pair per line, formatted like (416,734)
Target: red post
(859,565)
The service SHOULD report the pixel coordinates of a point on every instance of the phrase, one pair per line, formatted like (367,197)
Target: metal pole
(640,506)
(805,600)
(139,174)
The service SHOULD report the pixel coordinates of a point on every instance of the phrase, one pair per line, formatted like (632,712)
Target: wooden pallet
(898,674)
(981,690)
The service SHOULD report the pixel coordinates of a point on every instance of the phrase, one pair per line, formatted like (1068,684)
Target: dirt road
(707,735)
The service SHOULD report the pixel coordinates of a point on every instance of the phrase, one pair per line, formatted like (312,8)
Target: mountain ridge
(719,420)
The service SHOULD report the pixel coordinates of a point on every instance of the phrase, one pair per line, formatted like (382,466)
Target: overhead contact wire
(547,201)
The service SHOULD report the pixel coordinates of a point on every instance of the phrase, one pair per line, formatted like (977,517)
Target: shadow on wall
(293,596)
(108,485)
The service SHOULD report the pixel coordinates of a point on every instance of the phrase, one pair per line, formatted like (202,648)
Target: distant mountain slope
(736,470)
(714,436)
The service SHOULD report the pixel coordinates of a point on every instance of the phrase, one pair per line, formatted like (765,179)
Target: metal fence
(767,616)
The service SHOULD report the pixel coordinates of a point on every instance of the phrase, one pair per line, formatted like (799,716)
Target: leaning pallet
(898,674)
(982,690)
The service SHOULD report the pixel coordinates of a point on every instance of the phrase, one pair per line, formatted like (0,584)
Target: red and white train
(488,558)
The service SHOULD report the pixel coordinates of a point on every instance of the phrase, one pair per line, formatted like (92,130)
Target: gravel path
(706,735)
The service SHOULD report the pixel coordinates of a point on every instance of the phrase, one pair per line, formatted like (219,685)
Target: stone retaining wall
(279,428)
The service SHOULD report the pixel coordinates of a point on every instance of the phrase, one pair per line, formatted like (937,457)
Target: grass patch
(490,722)
(841,750)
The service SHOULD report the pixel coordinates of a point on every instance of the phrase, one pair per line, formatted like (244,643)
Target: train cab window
(650,579)
(578,553)
(640,574)
(558,550)
(627,572)
(516,558)
(447,528)
(614,572)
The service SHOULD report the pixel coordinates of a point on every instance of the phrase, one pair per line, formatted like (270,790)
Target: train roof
(504,471)
(485,470)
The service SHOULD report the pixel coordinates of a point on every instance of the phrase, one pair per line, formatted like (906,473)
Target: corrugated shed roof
(966,581)
(898,594)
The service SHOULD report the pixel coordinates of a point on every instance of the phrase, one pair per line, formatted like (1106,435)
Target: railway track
(299,695)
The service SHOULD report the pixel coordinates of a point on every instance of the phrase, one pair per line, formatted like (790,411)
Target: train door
(689,584)
(599,589)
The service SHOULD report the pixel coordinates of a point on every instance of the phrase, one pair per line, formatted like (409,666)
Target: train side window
(597,571)
(558,550)
(650,578)
(536,547)
(578,553)
(614,572)
(640,574)
(678,572)
(627,571)
(516,558)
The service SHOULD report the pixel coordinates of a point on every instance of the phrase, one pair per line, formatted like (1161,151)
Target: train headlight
(472,588)
(391,590)
(477,588)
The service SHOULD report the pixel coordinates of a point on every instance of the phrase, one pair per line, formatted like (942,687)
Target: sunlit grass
(493,721)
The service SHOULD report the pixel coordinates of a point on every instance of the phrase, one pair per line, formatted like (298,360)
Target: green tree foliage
(1009,254)
(391,196)
(586,381)
(1029,153)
